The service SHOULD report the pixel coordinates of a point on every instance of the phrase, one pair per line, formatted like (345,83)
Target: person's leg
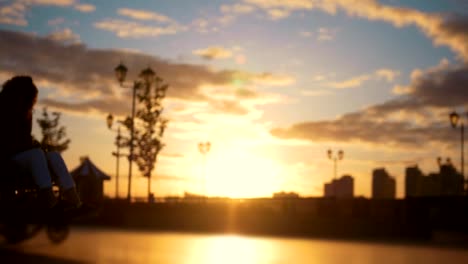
(34,163)
(59,169)
(65,181)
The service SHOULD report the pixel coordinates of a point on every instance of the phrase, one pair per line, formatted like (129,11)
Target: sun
(238,173)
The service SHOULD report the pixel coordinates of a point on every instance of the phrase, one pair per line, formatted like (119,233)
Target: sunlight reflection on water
(112,246)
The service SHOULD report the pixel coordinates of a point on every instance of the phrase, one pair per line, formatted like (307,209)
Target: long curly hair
(18,94)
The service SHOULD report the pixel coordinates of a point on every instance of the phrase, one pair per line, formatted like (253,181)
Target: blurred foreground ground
(12,256)
(96,245)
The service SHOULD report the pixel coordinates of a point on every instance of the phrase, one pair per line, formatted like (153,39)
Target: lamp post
(117,154)
(335,158)
(204,148)
(146,77)
(454,120)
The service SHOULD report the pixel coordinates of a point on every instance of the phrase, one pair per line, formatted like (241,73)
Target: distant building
(447,182)
(413,182)
(89,181)
(284,195)
(451,182)
(340,188)
(383,185)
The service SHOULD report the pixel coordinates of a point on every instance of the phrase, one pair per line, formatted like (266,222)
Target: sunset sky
(272,84)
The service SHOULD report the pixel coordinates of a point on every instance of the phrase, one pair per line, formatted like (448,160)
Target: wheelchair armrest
(12,178)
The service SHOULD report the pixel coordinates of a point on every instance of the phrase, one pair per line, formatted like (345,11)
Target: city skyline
(271,84)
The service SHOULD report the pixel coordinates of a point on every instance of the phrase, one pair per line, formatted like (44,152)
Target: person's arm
(21,128)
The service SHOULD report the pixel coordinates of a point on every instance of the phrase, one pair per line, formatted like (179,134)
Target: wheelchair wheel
(14,234)
(57,233)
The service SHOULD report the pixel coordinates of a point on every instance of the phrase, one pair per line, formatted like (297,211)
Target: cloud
(133,29)
(273,79)
(14,13)
(231,12)
(213,52)
(85,8)
(130,29)
(440,86)
(385,74)
(202,25)
(51,2)
(448,30)
(237,9)
(80,79)
(316,92)
(66,36)
(286,4)
(143,15)
(351,83)
(279,9)
(358,128)
(326,34)
(78,69)
(229,107)
(275,9)
(277,14)
(416,118)
(244,93)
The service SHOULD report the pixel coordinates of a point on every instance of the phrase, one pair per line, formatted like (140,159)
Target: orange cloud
(351,83)
(90,86)
(85,8)
(237,9)
(285,4)
(143,15)
(273,79)
(129,29)
(66,36)
(14,13)
(213,52)
(386,74)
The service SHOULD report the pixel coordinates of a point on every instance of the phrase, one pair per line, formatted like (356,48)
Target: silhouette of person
(17,99)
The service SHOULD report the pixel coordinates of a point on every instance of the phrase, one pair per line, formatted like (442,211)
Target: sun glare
(240,174)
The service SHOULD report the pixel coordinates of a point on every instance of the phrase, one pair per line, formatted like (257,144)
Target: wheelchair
(21,215)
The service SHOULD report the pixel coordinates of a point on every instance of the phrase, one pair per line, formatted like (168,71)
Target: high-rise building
(451,182)
(383,185)
(413,182)
(340,188)
(447,182)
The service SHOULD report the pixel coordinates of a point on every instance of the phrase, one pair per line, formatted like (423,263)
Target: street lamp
(204,148)
(335,158)
(454,120)
(448,161)
(146,77)
(117,154)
